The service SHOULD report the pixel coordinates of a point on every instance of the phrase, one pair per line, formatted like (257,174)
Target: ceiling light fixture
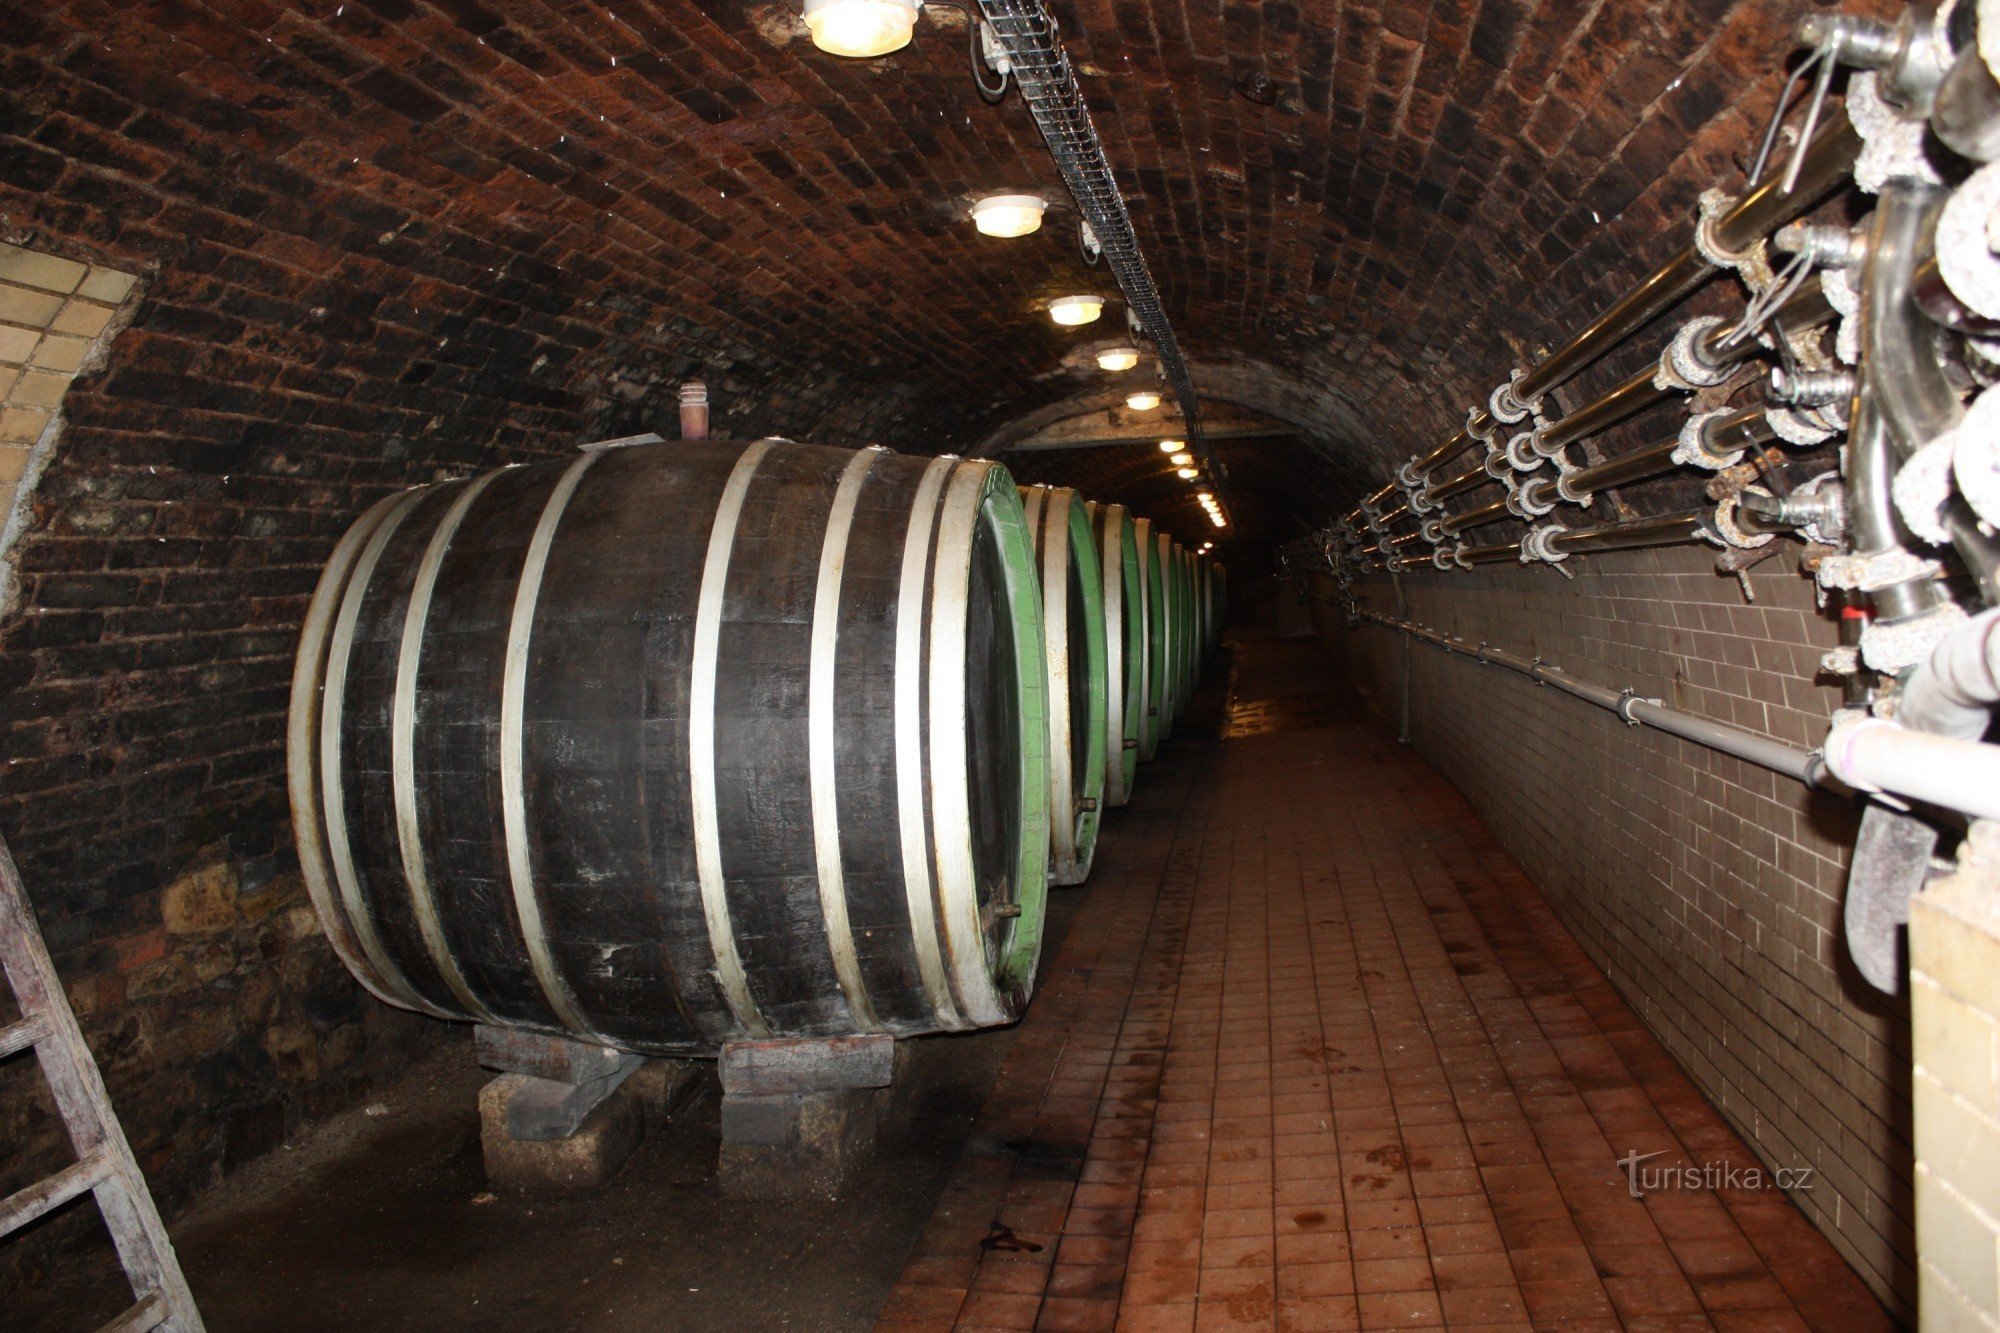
(860,28)
(1206,497)
(1009,214)
(1188,474)
(1071,311)
(1182,460)
(1172,446)
(1219,520)
(1143,402)
(1118,358)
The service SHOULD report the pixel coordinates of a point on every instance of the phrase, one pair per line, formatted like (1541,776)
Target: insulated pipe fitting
(1954,691)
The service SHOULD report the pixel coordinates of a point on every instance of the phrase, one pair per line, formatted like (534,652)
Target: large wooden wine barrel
(1184,605)
(1219,581)
(672,744)
(1198,563)
(1152,722)
(1173,631)
(1193,647)
(1124,648)
(1073,632)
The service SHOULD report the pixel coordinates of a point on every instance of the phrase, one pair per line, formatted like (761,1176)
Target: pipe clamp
(1566,472)
(1693,450)
(1715,203)
(1525,452)
(1626,698)
(1681,364)
(1505,404)
(1734,532)
(1539,545)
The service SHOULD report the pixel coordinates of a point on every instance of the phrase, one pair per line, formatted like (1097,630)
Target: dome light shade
(1008,214)
(1071,311)
(1143,402)
(1118,358)
(1181,460)
(1171,446)
(860,28)
(1189,474)
(1206,497)
(1219,520)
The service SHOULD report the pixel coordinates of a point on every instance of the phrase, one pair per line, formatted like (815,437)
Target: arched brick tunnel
(270,262)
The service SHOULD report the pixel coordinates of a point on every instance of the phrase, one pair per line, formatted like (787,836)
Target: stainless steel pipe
(1766,207)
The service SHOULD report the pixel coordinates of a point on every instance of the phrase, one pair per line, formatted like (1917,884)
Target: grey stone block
(513,1051)
(815,1145)
(807,1064)
(542,1108)
(579,1161)
(766,1121)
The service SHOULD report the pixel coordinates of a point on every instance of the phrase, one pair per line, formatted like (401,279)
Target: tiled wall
(1708,889)
(1955,1003)
(52,311)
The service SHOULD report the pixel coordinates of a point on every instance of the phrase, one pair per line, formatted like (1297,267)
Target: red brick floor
(1316,1055)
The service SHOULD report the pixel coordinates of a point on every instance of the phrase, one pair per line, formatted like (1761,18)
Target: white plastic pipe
(1876,755)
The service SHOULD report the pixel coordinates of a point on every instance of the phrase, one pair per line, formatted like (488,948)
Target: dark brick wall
(385,240)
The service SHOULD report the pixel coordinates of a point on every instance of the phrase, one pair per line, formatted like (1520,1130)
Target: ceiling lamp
(1219,520)
(1143,402)
(1189,474)
(1181,460)
(1007,214)
(1120,358)
(1172,446)
(861,28)
(1206,497)
(1069,311)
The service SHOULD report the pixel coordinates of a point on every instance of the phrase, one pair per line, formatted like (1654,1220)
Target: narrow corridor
(1316,1055)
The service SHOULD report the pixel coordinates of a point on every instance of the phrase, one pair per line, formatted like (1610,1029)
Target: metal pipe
(1664,530)
(1744,428)
(1767,206)
(1490,555)
(1469,480)
(1869,464)
(1802,765)
(1632,397)
(1722,346)
(1473,518)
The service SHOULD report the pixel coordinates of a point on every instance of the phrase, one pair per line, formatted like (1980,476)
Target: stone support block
(799,1117)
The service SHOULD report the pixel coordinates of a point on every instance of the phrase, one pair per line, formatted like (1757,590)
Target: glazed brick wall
(1708,889)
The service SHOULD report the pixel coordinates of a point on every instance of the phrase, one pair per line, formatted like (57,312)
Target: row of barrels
(1108,576)
(669,745)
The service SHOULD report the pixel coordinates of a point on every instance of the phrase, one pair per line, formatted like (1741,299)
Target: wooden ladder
(104,1163)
